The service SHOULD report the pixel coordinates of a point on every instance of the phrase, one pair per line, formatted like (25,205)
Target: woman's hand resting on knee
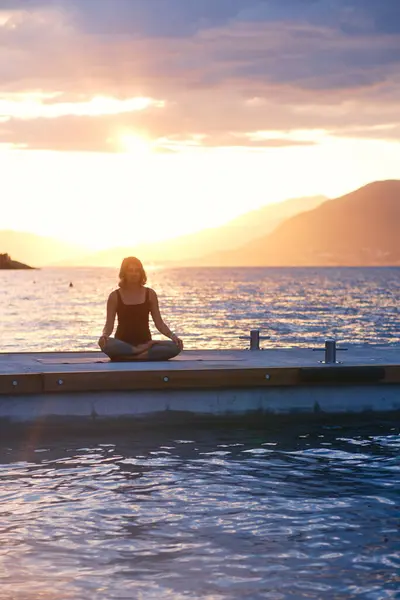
(102,341)
(177,341)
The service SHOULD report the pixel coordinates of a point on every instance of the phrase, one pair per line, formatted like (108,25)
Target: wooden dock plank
(21,383)
(33,373)
(164,379)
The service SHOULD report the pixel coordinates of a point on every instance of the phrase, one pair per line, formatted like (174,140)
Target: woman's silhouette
(132,304)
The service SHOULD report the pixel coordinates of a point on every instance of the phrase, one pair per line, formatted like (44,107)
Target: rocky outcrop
(7,263)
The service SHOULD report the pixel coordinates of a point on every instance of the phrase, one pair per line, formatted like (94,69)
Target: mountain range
(360,228)
(44,251)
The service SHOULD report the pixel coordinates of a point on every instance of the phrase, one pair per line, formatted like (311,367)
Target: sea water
(208,308)
(283,512)
(287,510)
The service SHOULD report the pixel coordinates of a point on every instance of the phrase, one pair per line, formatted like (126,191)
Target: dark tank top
(133,321)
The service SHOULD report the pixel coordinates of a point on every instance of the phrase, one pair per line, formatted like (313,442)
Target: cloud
(180,18)
(387,132)
(33,106)
(106,134)
(220,69)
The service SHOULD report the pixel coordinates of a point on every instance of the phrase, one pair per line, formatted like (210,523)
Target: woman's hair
(131,261)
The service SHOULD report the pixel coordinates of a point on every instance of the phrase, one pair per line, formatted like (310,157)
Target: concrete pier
(87,385)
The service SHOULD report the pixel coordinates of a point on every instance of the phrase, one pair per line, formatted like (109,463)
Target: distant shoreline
(220,267)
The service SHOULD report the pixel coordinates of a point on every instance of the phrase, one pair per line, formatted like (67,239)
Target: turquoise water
(283,512)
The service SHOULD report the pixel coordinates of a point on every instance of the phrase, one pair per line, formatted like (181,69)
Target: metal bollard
(254,339)
(330,351)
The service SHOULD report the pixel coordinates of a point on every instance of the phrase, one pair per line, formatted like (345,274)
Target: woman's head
(131,271)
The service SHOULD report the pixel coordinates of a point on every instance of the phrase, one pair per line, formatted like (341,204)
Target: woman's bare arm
(111,314)
(158,320)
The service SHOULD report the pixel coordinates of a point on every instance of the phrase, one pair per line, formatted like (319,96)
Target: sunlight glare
(135,144)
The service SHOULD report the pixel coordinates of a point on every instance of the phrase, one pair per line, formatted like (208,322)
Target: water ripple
(209,308)
(221,514)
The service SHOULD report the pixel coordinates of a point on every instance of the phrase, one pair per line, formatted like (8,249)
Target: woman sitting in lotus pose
(132,303)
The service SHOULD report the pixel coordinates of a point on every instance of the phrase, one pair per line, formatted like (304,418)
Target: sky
(123,121)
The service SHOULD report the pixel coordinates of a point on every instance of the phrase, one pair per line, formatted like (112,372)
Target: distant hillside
(235,233)
(38,250)
(6,262)
(361,228)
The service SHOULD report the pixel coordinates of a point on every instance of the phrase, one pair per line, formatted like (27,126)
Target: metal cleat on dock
(255,338)
(330,352)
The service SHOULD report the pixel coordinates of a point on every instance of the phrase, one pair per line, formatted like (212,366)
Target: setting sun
(184,119)
(135,144)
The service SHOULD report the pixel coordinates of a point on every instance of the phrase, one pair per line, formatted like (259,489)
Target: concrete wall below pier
(94,406)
